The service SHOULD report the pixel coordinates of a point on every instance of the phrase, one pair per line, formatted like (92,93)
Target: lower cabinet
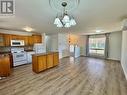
(56,59)
(5,68)
(50,60)
(38,63)
(41,62)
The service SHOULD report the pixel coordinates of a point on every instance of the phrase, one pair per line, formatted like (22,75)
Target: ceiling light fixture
(64,20)
(98,31)
(28,29)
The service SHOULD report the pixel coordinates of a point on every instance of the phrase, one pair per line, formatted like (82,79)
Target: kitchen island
(44,61)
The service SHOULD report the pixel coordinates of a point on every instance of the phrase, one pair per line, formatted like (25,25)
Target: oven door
(17,57)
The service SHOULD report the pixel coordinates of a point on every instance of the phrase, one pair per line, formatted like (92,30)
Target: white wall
(58,42)
(52,42)
(115,40)
(63,45)
(48,45)
(124,52)
(82,44)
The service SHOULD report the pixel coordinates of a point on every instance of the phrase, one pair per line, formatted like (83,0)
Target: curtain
(107,46)
(87,45)
(106,36)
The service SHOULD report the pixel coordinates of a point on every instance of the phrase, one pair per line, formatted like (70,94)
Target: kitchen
(17,50)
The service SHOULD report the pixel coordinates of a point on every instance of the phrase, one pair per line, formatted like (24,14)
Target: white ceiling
(90,15)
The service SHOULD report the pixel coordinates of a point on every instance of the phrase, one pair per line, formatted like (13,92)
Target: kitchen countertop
(9,52)
(40,54)
(29,50)
(5,53)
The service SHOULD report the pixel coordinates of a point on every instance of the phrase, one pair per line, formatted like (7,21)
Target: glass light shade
(67,25)
(66,19)
(72,22)
(57,21)
(60,24)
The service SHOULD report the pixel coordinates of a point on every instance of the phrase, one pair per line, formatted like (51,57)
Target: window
(97,45)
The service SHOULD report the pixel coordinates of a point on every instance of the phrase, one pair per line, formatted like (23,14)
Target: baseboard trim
(83,56)
(124,71)
(113,60)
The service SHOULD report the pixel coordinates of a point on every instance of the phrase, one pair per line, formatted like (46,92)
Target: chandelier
(64,20)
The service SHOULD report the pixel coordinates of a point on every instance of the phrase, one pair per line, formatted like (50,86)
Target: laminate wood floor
(82,76)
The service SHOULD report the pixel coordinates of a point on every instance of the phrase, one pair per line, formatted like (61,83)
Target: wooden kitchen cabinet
(30,40)
(56,59)
(39,63)
(50,60)
(15,37)
(25,38)
(42,63)
(37,38)
(7,40)
(5,69)
(1,39)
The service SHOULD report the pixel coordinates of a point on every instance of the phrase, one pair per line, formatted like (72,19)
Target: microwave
(17,43)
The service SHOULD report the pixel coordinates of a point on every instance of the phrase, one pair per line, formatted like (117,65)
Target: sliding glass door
(97,45)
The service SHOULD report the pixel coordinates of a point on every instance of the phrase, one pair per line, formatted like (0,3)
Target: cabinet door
(4,66)
(37,38)
(25,38)
(50,60)
(41,63)
(17,37)
(55,59)
(7,40)
(14,37)
(1,40)
(30,40)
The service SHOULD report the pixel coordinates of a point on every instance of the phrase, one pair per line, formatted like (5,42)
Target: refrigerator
(39,48)
(77,52)
(74,51)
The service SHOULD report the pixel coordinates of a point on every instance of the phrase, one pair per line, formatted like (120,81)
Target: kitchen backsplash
(8,49)
(28,47)
(5,49)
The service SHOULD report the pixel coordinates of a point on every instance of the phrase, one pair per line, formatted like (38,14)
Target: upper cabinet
(37,38)
(30,40)
(15,37)
(5,39)
(25,38)
(1,40)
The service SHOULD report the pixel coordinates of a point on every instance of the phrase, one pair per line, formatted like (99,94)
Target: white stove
(19,56)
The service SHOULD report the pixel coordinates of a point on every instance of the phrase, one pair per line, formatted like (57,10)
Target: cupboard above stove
(5,39)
